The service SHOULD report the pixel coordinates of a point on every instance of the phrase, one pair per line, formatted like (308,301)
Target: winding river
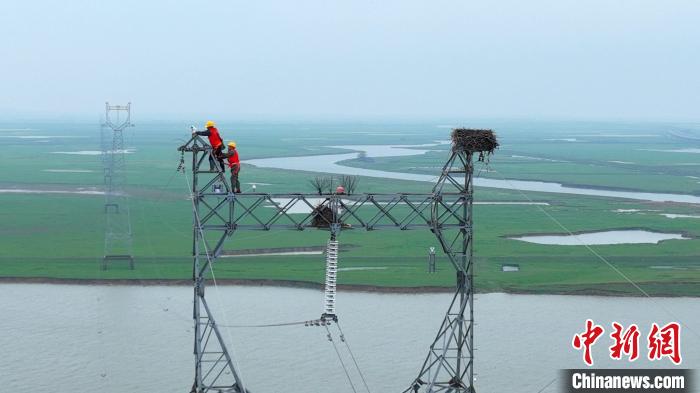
(332,163)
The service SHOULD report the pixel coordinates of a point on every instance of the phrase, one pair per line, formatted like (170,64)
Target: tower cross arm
(296,211)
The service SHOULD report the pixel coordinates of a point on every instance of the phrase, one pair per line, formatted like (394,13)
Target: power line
(340,358)
(352,356)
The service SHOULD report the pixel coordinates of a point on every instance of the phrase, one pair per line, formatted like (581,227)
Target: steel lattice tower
(214,366)
(449,366)
(118,236)
(446,211)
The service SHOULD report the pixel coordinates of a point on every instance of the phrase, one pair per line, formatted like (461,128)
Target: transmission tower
(449,366)
(118,239)
(446,211)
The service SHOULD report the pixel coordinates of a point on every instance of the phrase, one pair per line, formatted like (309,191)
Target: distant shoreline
(316,286)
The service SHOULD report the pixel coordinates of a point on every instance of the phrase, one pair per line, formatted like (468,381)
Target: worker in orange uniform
(217,145)
(234,162)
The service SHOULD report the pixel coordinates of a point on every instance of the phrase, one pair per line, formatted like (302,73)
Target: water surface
(631,236)
(332,163)
(115,339)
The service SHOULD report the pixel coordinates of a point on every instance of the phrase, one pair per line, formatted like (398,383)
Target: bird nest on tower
(473,140)
(322,216)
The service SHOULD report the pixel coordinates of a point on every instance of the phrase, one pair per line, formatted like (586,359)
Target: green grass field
(60,236)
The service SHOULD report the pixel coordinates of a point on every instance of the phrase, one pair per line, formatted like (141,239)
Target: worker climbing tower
(446,211)
(213,209)
(117,245)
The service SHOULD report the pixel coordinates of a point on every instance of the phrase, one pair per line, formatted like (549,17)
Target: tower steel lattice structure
(118,236)
(446,211)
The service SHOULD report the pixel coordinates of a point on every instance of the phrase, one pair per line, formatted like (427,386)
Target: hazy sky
(352,58)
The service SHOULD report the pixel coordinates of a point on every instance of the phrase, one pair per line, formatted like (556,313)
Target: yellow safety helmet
(210,124)
(232,144)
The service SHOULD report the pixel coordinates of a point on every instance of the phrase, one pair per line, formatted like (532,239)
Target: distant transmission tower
(116,207)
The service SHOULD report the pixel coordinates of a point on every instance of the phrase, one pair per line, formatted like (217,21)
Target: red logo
(625,343)
(662,341)
(586,340)
(665,342)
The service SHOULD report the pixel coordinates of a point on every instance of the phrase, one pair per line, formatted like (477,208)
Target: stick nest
(474,140)
(322,216)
